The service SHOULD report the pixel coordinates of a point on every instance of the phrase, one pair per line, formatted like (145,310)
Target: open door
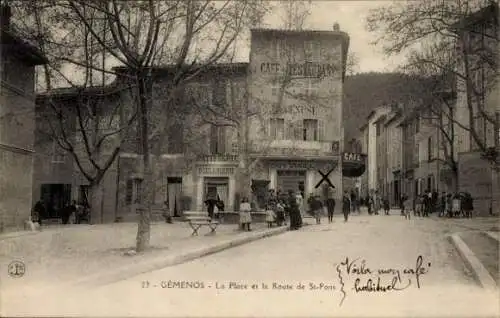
(174,193)
(260,191)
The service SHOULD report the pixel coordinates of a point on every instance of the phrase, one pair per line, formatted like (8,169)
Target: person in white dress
(300,202)
(245,216)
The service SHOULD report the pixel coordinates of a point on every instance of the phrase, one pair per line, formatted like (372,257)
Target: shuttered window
(277,128)
(129,191)
(217,139)
(321,130)
(310,130)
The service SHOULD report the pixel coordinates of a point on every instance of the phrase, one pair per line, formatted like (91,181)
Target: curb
(493,235)
(123,273)
(481,274)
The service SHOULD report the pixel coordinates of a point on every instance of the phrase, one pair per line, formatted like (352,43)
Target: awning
(353,164)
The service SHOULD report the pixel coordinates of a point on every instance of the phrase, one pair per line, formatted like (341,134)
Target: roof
(239,67)
(488,13)
(12,43)
(75,91)
(395,115)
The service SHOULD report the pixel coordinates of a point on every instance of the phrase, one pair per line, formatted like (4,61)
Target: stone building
(285,106)
(58,178)
(479,33)
(295,82)
(373,130)
(17,120)
(394,157)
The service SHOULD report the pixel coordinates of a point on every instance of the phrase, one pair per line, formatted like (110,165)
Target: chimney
(336,27)
(5,14)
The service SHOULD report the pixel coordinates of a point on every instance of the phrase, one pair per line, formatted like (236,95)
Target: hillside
(366,91)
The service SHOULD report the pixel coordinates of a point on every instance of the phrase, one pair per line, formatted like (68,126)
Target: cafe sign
(307,69)
(215,171)
(353,157)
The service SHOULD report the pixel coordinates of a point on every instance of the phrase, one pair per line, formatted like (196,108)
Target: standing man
(346,205)
(330,206)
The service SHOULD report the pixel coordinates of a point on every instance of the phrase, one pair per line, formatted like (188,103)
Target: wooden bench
(198,219)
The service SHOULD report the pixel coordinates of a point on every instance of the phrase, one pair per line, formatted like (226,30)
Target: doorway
(397,195)
(216,188)
(174,193)
(260,189)
(291,180)
(55,196)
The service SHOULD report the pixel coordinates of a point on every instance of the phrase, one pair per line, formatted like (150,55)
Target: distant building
(480,33)
(17,121)
(374,153)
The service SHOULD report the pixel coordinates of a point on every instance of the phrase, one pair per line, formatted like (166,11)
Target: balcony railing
(218,158)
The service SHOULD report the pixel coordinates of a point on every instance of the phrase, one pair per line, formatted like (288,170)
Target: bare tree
(451,37)
(141,35)
(295,13)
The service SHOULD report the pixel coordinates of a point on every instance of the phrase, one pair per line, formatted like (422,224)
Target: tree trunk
(454,180)
(96,203)
(495,184)
(144,225)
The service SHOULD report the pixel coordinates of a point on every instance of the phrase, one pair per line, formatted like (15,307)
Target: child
(386,206)
(407,207)
(280,211)
(270,218)
(245,216)
(317,208)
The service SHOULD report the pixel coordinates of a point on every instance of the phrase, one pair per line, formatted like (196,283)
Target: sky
(351,17)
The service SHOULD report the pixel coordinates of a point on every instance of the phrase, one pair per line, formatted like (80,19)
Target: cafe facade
(295,84)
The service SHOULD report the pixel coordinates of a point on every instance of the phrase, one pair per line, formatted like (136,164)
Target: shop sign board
(307,69)
(300,164)
(215,171)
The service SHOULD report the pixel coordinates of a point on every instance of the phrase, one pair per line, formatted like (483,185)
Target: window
(217,140)
(58,155)
(138,190)
(133,190)
(311,89)
(312,50)
(277,130)
(200,93)
(129,192)
(275,90)
(416,154)
(417,124)
(176,138)
(430,149)
(310,130)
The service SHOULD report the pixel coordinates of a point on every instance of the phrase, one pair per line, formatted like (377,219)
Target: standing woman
(245,216)
(294,211)
(300,204)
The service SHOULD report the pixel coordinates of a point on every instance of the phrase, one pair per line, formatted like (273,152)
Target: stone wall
(15,188)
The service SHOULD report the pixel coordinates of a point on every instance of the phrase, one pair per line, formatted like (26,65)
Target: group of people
(281,207)
(69,213)
(448,204)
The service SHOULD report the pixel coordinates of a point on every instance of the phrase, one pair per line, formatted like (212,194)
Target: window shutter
(289,130)
(213,139)
(222,140)
(299,130)
(321,130)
